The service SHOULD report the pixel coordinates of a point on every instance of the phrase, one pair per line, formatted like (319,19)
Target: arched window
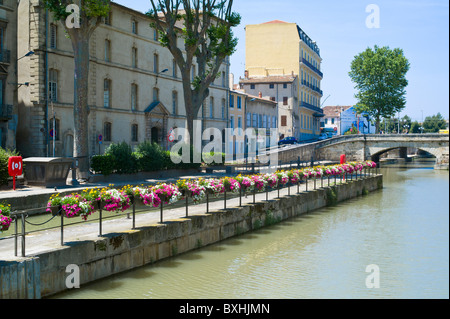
(107,130)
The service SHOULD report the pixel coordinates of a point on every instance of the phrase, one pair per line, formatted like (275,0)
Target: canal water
(400,232)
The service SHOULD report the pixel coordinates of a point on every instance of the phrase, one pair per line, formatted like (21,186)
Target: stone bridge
(369,147)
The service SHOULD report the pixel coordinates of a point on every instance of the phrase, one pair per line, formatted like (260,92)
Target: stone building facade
(8,73)
(135,88)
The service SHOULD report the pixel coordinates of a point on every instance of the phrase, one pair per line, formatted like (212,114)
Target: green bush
(4,157)
(207,157)
(103,164)
(125,161)
(151,157)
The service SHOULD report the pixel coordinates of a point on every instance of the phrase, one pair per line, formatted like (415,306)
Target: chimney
(260,95)
(246,74)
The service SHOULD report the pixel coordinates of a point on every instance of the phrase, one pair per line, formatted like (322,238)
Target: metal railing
(226,196)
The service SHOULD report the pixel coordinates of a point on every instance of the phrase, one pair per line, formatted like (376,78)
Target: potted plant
(5,220)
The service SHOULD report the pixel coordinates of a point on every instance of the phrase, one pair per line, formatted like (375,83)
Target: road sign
(15,168)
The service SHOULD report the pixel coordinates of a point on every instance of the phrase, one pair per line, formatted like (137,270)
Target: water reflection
(403,229)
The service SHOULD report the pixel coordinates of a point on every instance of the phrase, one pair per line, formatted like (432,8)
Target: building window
(223,109)
(134,26)
(134,132)
(285,100)
(107,51)
(252,86)
(283,120)
(211,107)
(271,86)
(53,85)
(155,94)
(174,103)
(108,19)
(239,122)
(285,86)
(155,63)
(248,119)
(232,121)
(193,73)
(134,57)
(107,131)
(53,35)
(107,93)
(239,106)
(134,97)
(174,69)
(231,101)
(255,120)
(224,82)
(155,35)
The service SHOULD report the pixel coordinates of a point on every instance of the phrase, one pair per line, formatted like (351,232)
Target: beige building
(8,73)
(135,88)
(279,48)
(283,91)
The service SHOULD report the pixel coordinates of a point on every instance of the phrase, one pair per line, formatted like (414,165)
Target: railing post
(100,220)
(187,205)
(161,211)
(23,234)
(62,228)
(225,199)
(16,234)
(207,201)
(134,212)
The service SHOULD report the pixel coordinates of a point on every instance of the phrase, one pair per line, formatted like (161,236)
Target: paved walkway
(38,242)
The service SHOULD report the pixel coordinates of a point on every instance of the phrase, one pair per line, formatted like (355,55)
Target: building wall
(277,48)
(8,77)
(132,85)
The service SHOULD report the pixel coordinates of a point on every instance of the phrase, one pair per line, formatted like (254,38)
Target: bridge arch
(376,156)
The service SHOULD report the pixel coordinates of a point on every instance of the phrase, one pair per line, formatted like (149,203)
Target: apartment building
(135,87)
(8,73)
(283,91)
(279,48)
(247,111)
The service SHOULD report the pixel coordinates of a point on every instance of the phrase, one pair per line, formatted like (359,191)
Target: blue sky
(420,28)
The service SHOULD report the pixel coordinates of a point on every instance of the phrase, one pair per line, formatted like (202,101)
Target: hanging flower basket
(5,222)
(55,210)
(113,200)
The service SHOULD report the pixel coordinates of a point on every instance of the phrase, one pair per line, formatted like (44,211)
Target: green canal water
(402,229)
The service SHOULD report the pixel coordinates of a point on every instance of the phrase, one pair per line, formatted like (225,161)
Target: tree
(80,28)
(380,79)
(433,124)
(205,26)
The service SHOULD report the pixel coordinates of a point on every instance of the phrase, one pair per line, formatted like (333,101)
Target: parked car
(288,140)
(323,136)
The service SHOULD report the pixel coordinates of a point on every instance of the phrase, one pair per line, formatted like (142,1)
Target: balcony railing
(6,111)
(5,56)
(312,67)
(312,87)
(311,107)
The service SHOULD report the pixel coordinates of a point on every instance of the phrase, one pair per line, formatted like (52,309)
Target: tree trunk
(80,45)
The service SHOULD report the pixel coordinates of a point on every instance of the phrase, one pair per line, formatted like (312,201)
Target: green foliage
(148,157)
(4,157)
(351,131)
(103,164)
(151,156)
(125,162)
(380,78)
(91,8)
(332,196)
(433,124)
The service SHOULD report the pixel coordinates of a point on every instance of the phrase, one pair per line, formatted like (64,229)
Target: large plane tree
(380,78)
(80,18)
(206,29)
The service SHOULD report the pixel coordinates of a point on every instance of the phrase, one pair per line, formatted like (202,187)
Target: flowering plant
(115,200)
(167,192)
(5,220)
(149,198)
(283,177)
(293,177)
(198,192)
(259,182)
(247,183)
(213,186)
(231,185)
(271,179)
